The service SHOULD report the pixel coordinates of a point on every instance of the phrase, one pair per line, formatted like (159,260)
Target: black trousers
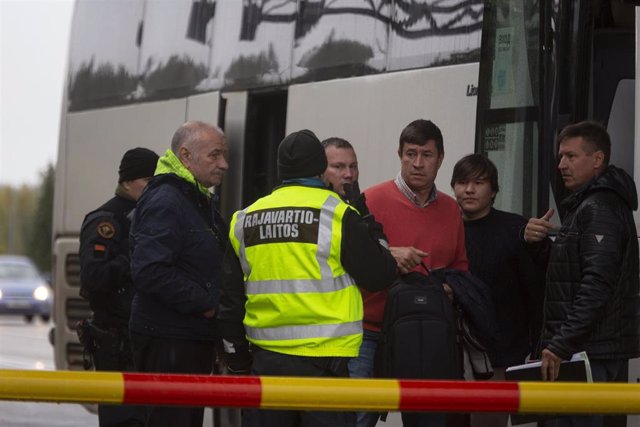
(171,355)
(271,363)
(113,353)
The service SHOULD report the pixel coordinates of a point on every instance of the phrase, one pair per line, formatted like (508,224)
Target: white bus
(498,77)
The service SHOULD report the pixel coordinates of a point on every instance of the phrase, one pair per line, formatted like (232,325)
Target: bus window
(330,42)
(416,41)
(173,61)
(251,44)
(103,54)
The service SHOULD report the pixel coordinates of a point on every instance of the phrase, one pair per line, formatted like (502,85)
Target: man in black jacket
(105,277)
(498,256)
(591,299)
(178,241)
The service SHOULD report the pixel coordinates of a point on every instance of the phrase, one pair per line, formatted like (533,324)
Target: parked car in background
(23,291)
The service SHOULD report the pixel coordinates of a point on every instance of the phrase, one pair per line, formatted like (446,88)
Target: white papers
(577,358)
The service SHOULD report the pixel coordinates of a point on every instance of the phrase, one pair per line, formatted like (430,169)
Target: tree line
(26,216)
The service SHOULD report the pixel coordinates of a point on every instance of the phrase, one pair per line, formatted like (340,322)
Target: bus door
(612,96)
(254,123)
(613,81)
(590,67)
(590,58)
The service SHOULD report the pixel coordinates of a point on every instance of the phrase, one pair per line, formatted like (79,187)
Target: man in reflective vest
(303,252)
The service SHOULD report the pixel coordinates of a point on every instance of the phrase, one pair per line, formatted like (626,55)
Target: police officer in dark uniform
(106,279)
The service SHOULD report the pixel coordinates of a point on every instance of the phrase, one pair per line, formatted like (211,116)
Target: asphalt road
(25,346)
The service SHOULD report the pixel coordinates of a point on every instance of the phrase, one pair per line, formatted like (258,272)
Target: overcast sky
(34,39)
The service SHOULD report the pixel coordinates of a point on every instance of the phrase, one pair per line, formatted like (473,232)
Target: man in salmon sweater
(423,225)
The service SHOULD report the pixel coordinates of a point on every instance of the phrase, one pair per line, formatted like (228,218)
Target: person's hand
(448,291)
(239,363)
(355,198)
(209,313)
(407,257)
(351,191)
(538,228)
(550,365)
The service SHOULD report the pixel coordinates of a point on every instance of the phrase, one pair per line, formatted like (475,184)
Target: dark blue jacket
(473,296)
(177,243)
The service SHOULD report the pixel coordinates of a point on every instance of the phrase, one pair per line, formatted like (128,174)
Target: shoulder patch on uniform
(106,229)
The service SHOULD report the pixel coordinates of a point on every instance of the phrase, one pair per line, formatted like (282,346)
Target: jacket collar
(169,163)
(307,182)
(612,179)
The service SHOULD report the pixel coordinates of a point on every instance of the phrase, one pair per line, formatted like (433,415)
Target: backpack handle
(425,268)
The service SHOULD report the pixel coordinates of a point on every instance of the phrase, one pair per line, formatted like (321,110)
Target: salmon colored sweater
(437,229)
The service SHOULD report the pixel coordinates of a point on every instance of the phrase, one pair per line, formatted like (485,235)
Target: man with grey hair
(178,241)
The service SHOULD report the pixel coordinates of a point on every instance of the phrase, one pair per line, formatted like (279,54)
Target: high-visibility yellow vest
(300,299)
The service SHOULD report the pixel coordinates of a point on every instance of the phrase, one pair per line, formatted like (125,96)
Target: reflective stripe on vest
(298,285)
(237,232)
(324,238)
(305,331)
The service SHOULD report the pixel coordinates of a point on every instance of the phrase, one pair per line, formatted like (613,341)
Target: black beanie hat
(301,155)
(137,163)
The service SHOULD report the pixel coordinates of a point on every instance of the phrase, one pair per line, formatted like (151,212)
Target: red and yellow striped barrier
(318,393)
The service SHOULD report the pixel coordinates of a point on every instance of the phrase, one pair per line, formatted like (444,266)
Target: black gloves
(355,198)
(238,359)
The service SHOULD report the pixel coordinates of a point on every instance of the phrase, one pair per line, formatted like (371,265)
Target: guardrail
(319,393)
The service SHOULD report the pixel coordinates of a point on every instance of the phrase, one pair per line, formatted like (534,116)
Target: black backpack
(419,332)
